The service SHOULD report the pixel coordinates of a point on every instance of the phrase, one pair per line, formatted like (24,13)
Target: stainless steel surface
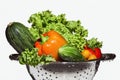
(64,71)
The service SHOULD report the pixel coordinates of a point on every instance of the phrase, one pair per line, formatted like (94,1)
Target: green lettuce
(31,57)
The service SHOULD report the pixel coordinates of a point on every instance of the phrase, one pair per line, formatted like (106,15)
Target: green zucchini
(68,53)
(19,36)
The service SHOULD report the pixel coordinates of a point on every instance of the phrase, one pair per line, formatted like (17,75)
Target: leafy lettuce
(71,30)
(30,57)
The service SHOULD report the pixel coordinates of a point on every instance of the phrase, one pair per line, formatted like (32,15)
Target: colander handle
(14,57)
(108,56)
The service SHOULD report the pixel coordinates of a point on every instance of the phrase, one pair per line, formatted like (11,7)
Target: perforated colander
(66,70)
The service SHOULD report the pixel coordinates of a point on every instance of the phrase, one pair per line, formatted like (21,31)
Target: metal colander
(84,70)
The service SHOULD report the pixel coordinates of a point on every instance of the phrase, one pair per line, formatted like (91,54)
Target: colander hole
(50,70)
(53,72)
(84,71)
(56,77)
(77,72)
(74,76)
(45,72)
(87,73)
(45,68)
(40,68)
(50,75)
(80,75)
(38,71)
(38,75)
(46,77)
(91,70)
(86,78)
(41,74)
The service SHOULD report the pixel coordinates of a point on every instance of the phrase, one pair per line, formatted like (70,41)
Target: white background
(100,17)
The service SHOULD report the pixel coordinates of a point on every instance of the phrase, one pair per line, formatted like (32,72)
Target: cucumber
(19,36)
(69,53)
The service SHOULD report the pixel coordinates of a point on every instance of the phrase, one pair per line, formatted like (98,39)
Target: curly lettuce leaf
(93,42)
(31,58)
